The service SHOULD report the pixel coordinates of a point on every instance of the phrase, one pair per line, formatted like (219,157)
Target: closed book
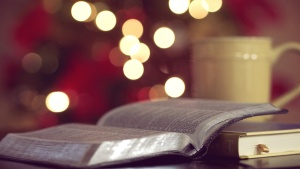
(256,139)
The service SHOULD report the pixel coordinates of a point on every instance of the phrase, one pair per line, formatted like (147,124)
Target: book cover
(253,140)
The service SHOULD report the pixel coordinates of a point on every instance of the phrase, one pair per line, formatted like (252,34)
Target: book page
(84,145)
(83,133)
(190,116)
(177,115)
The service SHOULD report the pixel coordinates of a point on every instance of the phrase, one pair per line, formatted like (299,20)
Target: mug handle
(290,95)
(287,97)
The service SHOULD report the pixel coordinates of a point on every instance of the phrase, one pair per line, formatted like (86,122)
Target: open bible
(136,131)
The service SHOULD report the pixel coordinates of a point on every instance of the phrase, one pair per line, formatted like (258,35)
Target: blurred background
(71,61)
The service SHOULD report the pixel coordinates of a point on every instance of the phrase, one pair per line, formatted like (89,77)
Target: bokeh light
(140,52)
(32,62)
(133,27)
(106,20)
(101,6)
(26,97)
(37,102)
(143,93)
(164,37)
(52,6)
(211,5)
(196,10)
(133,69)
(57,102)
(127,42)
(117,58)
(174,87)
(81,11)
(179,6)
(157,92)
(93,13)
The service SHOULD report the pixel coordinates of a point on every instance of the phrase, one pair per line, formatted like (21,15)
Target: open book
(132,132)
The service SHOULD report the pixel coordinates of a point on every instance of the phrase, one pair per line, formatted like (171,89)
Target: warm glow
(164,37)
(93,13)
(32,62)
(26,97)
(117,58)
(101,6)
(57,102)
(196,10)
(174,87)
(50,55)
(106,20)
(140,52)
(52,6)
(127,42)
(133,27)
(37,102)
(133,69)
(81,11)
(211,5)
(157,92)
(143,93)
(179,6)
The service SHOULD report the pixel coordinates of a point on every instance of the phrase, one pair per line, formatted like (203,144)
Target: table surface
(288,161)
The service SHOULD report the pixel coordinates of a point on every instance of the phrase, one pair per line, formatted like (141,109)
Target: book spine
(225,145)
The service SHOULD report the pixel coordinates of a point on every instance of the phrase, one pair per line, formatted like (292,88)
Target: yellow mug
(237,69)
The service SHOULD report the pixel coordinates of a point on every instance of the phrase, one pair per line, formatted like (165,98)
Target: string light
(133,69)
(179,6)
(196,10)
(164,37)
(81,11)
(174,87)
(140,52)
(127,42)
(57,102)
(131,53)
(211,5)
(106,20)
(133,27)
